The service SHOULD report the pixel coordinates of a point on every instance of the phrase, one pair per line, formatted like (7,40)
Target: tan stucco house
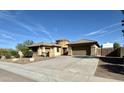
(45,48)
(50,49)
(64,47)
(83,48)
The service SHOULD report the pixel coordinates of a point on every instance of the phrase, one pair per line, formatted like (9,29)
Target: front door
(65,52)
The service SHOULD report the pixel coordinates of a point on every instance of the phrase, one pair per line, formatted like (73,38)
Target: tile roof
(43,44)
(83,41)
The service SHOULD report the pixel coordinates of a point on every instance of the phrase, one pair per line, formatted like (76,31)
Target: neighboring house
(107,45)
(83,48)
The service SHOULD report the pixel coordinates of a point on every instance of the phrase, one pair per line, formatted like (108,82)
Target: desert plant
(21,47)
(28,53)
(8,55)
(24,49)
(116,45)
(14,53)
(5,52)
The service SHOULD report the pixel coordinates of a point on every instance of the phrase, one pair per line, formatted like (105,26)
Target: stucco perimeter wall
(122,52)
(111,52)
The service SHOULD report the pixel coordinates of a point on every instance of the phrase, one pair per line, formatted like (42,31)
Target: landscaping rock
(3,57)
(12,57)
(15,59)
(31,59)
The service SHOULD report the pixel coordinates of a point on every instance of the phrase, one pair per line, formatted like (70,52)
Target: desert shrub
(14,53)
(8,53)
(28,53)
(16,56)
(5,52)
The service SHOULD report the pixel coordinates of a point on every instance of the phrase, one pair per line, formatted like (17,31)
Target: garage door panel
(80,51)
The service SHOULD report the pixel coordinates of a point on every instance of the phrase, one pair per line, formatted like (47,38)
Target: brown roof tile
(83,41)
(43,44)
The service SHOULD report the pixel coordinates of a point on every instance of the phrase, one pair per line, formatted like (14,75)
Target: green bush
(116,45)
(14,53)
(28,53)
(8,53)
(8,56)
(24,49)
(5,52)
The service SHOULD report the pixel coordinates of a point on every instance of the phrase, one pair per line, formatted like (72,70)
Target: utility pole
(123,28)
(123,45)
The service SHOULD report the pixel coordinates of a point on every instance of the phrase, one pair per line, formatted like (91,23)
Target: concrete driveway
(63,68)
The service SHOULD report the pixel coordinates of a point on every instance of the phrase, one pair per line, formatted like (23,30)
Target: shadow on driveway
(110,68)
(113,68)
(112,60)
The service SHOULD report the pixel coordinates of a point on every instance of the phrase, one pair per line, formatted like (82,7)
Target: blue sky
(47,26)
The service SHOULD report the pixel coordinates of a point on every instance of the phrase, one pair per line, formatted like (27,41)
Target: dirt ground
(110,68)
(26,60)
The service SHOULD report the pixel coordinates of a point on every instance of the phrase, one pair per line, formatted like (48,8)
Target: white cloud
(7,36)
(43,29)
(2,40)
(108,32)
(102,30)
(92,33)
(35,29)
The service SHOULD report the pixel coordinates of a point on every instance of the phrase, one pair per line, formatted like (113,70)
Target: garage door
(80,51)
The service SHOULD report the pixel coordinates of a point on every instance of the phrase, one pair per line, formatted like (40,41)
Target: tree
(20,47)
(116,45)
(28,42)
(8,53)
(23,46)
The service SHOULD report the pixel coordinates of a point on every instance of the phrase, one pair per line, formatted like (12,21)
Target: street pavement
(59,69)
(6,76)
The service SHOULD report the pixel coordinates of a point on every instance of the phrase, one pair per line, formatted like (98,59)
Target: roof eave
(85,43)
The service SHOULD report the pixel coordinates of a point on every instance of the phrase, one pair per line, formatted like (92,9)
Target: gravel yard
(26,60)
